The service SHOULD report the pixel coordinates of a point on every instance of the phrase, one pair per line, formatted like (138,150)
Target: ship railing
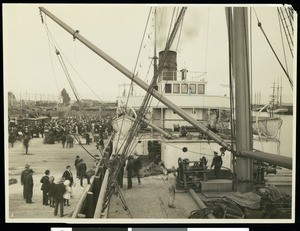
(190,176)
(186,75)
(87,203)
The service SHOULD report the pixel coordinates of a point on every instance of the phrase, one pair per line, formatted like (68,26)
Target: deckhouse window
(192,89)
(168,88)
(176,88)
(184,88)
(201,89)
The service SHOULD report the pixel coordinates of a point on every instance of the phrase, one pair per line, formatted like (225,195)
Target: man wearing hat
(58,195)
(26,140)
(217,164)
(121,172)
(137,166)
(67,175)
(82,172)
(222,150)
(129,169)
(203,162)
(24,173)
(76,163)
(28,187)
(45,187)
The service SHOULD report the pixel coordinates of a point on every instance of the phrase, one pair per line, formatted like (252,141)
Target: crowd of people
(54,194)
(64,130)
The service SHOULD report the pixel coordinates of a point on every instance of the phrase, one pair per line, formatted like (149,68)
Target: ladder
(287,20)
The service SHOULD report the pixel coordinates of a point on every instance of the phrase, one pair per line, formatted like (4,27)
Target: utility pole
(20,99)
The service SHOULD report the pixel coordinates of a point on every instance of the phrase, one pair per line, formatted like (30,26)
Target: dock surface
(148,200)
(42,157)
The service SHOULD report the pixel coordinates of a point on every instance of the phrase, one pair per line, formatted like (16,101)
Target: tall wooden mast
(267,157)
(240,66)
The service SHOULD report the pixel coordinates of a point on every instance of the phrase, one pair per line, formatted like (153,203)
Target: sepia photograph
(149,113)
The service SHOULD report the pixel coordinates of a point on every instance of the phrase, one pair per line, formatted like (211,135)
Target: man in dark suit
(69,140)
(45,186)
(76,163)
(28,187)
(58,192)
(67,175)
(82,172)
(138,166)
(129,169)
(121,171)
(26,141)
(217,164)
(24,173)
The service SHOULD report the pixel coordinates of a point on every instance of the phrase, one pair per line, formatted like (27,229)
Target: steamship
(189,91)
(180,124)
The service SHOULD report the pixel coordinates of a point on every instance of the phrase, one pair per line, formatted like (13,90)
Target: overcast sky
(30,63)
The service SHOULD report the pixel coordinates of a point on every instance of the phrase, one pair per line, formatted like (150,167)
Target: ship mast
(244,171)
(155,44)
(277,95)
(137,80)
(141,112)
(280,98)
(282,161)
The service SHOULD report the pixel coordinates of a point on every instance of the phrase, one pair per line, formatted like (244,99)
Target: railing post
(204,173)
(90,205)
(96,188)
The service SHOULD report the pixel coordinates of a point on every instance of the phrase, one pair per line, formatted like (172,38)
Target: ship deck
(150,200)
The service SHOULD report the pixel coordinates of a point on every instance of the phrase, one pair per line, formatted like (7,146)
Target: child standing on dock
(67,194)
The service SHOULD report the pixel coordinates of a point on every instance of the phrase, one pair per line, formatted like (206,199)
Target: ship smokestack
(169,69)
(183,74)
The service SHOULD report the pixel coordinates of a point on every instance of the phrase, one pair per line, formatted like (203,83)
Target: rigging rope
(49,43)
(283,47)
(76,93)
(131,84)
(79,142)
(56,46)
(147,97)
(251,58)
(150,89)
(266,37)
(170,28)
(179,36)
(115,173)
(141,112)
